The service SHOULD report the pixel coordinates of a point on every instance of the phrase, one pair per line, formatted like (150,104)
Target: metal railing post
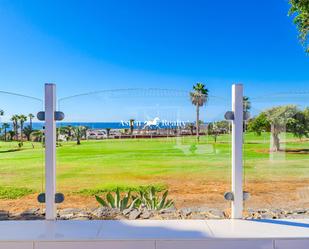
(50,151)
(237,145)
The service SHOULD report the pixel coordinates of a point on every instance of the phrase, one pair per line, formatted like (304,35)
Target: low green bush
(13,193)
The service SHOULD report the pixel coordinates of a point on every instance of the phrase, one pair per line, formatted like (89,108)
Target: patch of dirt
(192,192)
(297,151)
(288,151)
(11,150)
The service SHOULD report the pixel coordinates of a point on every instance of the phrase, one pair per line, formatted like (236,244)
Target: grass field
(195,174)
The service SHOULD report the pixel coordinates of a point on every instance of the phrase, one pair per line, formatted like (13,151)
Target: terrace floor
(155,234)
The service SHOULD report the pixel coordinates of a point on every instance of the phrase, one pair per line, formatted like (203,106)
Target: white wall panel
(97,245)
(213,244)
(292,244)
(16,245)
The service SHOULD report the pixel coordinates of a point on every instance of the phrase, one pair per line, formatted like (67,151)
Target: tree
(279,117)
(275,120)
(5,126)
(223,126)
(246,104)
(107,132)
(22,120)
(68,131)
(61,131)
(15,120)
(300,10)
(84,131)
(214,130)
(306,113)
(199,97)
(79,132)
(246,110)
(259,124)
(299,125)
(27,131)
(38,136)
(131,125)
(12,134)
(31,116)
(191,127)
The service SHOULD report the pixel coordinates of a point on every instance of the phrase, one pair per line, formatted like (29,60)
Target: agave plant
(151,200)
(117,201)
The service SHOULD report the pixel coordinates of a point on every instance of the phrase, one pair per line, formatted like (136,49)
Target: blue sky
(92,45)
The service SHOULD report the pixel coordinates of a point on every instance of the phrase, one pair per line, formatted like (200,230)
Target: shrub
(146,197)
(13,193)
(117,201)
(153,201)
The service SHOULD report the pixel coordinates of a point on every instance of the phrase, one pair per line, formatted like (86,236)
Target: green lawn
(103,165)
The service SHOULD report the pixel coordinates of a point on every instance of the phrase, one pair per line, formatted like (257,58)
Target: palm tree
(199,96)
(38,136)
(70,131)
(107,132)
(131,125)
(58,132)
(79,133)
(31,116)
(5,126)
(22,120)
(12,134)
(191,127)
(27,131)
(246,104)
(84,131)
(64,131)
(15,120)
(246,109)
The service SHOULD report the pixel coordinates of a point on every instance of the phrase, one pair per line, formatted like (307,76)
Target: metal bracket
(229,115)
(229,196)
(58,116)
(246,195)
(59,198)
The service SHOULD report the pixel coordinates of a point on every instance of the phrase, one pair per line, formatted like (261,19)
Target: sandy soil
(189,193)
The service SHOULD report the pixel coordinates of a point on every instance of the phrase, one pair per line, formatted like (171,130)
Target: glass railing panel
(142,139)
(22,157)
(276,156)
